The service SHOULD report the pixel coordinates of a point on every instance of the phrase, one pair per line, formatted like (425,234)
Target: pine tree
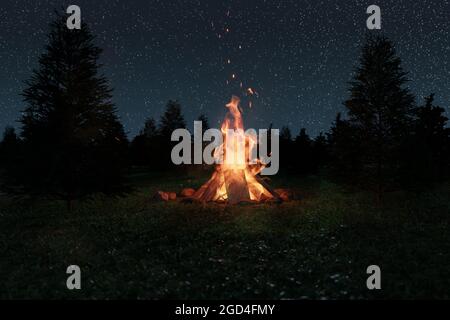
(427,155)
(150,130)
(9,148)
(303,141)
(9,138)
(285,134)
(319,153)
(9,158)
(302,155)
(286,159)
(379,112)
(73,140)
(345,146)
(144,147)
(171,119)
(205,124)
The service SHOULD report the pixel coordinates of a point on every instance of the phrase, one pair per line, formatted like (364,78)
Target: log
(208,191)
(172,196)
(236,185)
(187,192)
(284,194)
(161,196)
(268,188)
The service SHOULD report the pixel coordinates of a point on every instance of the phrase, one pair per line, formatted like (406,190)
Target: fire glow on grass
(236,177)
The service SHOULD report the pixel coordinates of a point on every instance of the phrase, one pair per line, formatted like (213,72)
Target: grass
(317,247)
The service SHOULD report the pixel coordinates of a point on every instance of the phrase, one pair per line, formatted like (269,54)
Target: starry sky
(297,56)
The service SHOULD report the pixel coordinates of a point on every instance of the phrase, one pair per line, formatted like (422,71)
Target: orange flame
(235,179)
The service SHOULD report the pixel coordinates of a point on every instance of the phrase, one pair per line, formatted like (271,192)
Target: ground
(316,247)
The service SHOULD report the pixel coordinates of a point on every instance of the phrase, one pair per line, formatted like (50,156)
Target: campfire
(236,179)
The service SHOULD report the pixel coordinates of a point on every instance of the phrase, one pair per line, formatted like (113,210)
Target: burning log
(213,190)
(172,196)
(164,196)
(284,194)
(187,192)
(236,186)
(273,192)
(161,196)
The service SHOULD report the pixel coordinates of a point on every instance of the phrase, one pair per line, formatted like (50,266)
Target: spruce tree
(73,141)
(379,112)
(345,147)
(286,158)
(205,123)
(9,142)
(9,150)
(302,155)
(171,119)
(427,155)
(144,146)
(319,153)
(150,130)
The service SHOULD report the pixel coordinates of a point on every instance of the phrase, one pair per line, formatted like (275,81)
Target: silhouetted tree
(320,153)
(379,113)
(150,130)
(9,156)
(205,124)
(74,143)
(9,141)
(285,134)
(427,155)
(171,120)
(345,146)
(144,147)
(302,153)
(286,143)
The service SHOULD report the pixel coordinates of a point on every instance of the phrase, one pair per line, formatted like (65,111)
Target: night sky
(297,55)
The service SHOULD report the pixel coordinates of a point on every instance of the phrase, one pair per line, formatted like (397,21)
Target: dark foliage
(303,156)
(286,144)
(73,142)
(152,147)
(144,146)
(10,148)
(205,123)
(426,155)
(171,120)
(379,120)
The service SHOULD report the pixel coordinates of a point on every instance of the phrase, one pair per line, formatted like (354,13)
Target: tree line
(72,143)
(383,141)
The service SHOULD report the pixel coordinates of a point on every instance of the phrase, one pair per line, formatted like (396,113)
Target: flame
(235,178)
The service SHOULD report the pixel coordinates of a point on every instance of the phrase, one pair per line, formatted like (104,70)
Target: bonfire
(236,177)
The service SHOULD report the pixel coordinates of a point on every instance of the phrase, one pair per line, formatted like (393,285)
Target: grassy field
(317,247)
